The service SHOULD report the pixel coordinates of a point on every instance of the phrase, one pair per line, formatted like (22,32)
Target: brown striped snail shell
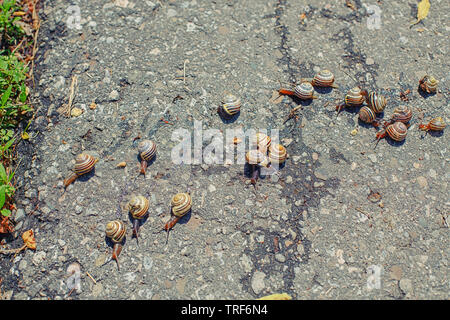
(231,105)
(428,84)
(354,97)
(367,115)
(402,114)
(397,131)
(147,150)
(84,163)
(138,208)
(116,230)
(325,78)
(277,153)
(376,102)
(436,124)
(181,204)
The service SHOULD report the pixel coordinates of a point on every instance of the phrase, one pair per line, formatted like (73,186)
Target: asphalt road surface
(340,220)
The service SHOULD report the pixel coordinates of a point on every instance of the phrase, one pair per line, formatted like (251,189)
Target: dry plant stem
(89,275)
(72,95)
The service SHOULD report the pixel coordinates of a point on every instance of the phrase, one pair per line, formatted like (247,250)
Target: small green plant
(9,31)
(6,190)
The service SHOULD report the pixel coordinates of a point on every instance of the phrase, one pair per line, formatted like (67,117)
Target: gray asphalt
(314,231)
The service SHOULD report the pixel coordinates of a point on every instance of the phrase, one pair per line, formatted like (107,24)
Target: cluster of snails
(305,90)
(138,205)
(266,154)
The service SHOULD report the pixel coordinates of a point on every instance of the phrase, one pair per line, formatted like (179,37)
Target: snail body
(428,84)
(231,105)
(138,208)
(84,163)
(181,204)
(375,101)
(116,230)
(303,91)
(436,124)
(256,158)
(147,150)
(325,78)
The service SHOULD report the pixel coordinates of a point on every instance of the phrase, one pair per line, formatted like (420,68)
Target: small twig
(72,94)
(363,212)
(88,274)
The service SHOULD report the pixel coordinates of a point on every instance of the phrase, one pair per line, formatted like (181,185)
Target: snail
(256,158)
(83,164)
(303,91)
(231,105)
(116,230)
(147,150)
(325,78)
(436,124)
(277,154)
(353,98)
(181,204)
(396,131)
(375,101)
(138,208)
(368,116)
(402,114)
(428,84)
(262,142)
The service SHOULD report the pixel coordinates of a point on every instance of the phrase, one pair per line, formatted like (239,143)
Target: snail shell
(231,105)
(138,206)
(115,230)
(262,141)
(402,114)
(277,153)
(397,131)
(147,149)
(254,157)
(367,115)
(181,204)
(436,124)
(354,97)
(428,84)
(304,91)
(324,79)
(84,163)
(376,102)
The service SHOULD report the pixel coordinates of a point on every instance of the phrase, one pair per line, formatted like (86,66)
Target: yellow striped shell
(354,98)
(428,84)
(277,153)
(115,230)
(84,163)
(376,102)
(138,206)
(231,104)
(256,157)
(181,204)
(147,149)
(397,131)
(323,79)
(304,91)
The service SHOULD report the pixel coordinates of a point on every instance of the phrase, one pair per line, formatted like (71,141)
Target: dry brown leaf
(29,240)
(277,296)
(422,10)
(121,164)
